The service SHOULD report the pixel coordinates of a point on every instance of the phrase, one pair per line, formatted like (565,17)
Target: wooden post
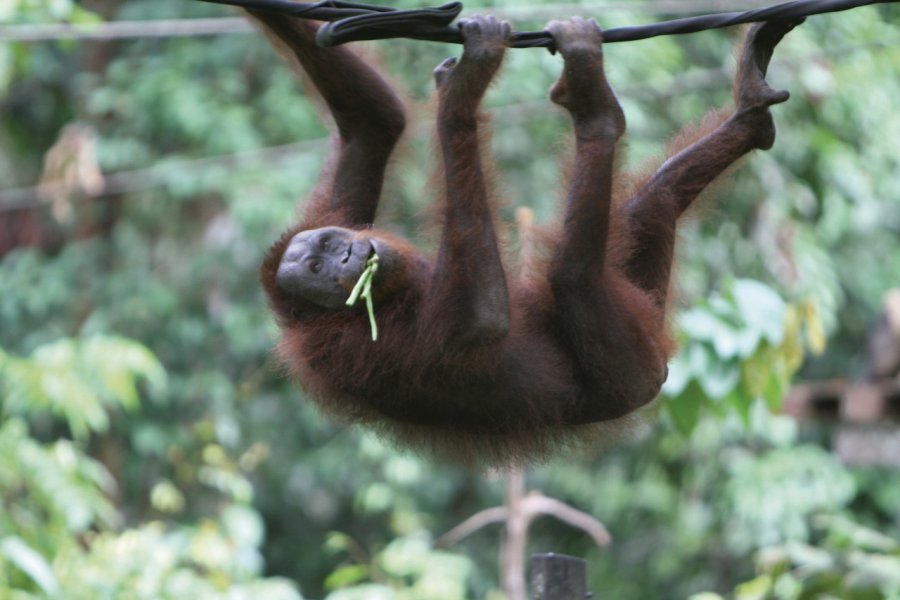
(558,577)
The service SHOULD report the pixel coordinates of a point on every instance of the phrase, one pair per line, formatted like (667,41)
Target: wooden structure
(865,416)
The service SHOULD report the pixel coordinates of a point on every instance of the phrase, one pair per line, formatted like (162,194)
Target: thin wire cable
(135,180)
(117,30)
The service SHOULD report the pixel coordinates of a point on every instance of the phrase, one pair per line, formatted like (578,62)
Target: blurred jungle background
(151,448)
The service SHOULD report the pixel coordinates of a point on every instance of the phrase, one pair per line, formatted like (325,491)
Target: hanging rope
(352,21)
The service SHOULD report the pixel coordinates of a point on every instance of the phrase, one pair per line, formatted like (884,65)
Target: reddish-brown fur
(471,361)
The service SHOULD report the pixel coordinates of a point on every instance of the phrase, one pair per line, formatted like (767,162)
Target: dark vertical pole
(558,577)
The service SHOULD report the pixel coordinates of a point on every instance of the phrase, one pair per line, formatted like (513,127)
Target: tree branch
(536,503)
(480,519)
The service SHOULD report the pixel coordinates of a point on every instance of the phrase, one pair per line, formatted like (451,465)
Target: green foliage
(66,491)
(737,348)
(29,11)
(58,527)
(407,569)
(690,513)
(154,562)
(79,380)
(849,561)
(774,494)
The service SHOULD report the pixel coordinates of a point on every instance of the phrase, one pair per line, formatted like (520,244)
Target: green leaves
(66,496)
(154,562)
(852,561)
(738,348)
(22,556)
(408,568)
(79,380)
(56,527)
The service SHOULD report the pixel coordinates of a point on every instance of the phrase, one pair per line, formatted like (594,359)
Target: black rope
(352,21)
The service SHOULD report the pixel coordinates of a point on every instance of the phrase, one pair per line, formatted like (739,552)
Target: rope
(352,21)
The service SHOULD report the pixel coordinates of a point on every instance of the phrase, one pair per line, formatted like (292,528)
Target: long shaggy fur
(479,363)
